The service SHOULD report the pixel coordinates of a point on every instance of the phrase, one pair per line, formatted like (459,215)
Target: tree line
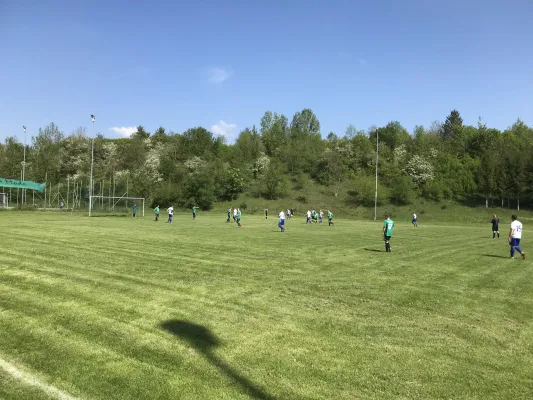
(446,161)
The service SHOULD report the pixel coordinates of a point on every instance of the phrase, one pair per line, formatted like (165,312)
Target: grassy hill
(308,195)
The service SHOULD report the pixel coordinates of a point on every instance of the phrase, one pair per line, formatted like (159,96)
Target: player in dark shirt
(495,231)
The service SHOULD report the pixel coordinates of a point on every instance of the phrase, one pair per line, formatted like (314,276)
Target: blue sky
(222,64)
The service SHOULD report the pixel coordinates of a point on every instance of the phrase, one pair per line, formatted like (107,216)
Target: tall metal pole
(377,158)
(24,164)
(92,163)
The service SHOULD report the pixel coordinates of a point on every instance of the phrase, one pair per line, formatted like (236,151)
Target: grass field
(123,308)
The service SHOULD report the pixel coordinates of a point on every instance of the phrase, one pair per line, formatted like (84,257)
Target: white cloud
(224,129)
(217,75)
(124,131)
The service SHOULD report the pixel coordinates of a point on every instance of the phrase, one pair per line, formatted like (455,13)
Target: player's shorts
(387,238)
(514,242)
(414,220)
(495,229)
(282,222)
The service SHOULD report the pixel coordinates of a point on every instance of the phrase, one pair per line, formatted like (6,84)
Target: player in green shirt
(194,209)
(239,217)
(330,218)
(388,226)
(156,211)
(229,215)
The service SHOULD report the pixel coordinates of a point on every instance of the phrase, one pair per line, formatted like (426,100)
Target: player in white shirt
(170,214)
(308,217)
(515,235)
(415,221)
(281,223)
(234,215)
(320,216)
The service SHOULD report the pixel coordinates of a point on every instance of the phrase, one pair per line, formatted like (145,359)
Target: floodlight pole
(24,164)
(92,164)
(377,159)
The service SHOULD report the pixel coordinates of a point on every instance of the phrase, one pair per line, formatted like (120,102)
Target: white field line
(30,380)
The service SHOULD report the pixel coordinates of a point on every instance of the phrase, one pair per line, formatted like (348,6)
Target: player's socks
(523,255)
(498,235)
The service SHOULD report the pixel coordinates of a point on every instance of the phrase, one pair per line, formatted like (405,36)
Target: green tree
(231,184)
(307,121)
(273,183)
(452,126)
(46,154)
(363,189)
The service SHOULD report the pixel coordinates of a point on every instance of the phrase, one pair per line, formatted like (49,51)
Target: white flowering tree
(420,170)
(260,166)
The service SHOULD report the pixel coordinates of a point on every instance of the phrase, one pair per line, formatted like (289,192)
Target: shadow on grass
(493,256)
(203,340)
(374,250)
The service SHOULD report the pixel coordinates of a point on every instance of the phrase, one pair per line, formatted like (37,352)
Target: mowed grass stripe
(30,380)
(342,322)
(14,389)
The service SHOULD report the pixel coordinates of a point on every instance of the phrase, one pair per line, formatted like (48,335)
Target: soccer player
(266,213)
(281,223)
(170,214)
(415,221)
(515,235)
(194,210)
(320,216)
(314,216)
(229,215)
(330,218)
(239,217)
(134,209)
(288,213)
(388,226)
(495,221)
(308,221)
(234,215)
(156,211)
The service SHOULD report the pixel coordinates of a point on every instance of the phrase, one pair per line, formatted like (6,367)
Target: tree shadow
(493,256)
(374,250)
(203,340)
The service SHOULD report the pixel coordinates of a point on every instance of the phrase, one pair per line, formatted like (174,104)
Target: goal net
(116,206)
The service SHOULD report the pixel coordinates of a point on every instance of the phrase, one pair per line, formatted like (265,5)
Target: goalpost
(115,205)
(4,200)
